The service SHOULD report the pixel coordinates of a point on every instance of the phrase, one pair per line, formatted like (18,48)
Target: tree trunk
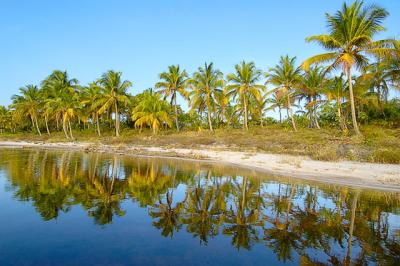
(98,124)
(64,126)
(245,112)
(353,108)
(290,112)
(280,114)
(37,126)
(116,120)
(176,113)
(70,129)
(47,124)
(209,112)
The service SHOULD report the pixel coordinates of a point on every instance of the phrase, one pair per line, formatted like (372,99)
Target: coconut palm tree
(152,111)
(28,104)
(336,90)
(62,98)
(311,86)
(287,77)
(114,94)
(350,42)
(277,101)
(5,119)
(244,84)
(205,84)
(173,82)
(91,98)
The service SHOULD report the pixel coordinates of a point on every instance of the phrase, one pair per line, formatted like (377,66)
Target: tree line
(348,84)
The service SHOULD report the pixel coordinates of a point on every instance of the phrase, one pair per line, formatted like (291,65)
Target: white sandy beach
(368,175)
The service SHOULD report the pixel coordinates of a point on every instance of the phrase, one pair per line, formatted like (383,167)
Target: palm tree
(287,77)
(114,94)
(277,101)
(243,84)
(310,89)
(62,98)
(5,119)
(350,42)
(28,103)
(205,85)
(336,90)
(92,98)
(152,111)
(173,82)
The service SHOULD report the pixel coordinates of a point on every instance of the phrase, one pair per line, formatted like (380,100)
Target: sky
(141,38)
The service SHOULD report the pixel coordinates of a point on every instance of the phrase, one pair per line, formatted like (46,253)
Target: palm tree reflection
(294,220)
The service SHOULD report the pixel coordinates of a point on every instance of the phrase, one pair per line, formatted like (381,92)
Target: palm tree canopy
(205,84)
(244,81)
(285,75)
(350,36)
(152,111)
(114,90)
(172,82)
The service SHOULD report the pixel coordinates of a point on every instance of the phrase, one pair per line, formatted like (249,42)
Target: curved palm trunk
(291,113)
(209,112)
(245,113)
(353,108)
(98,124)
(116,120)
(47,124)
(64,126)
(176,113)
(37,126)
(70,129)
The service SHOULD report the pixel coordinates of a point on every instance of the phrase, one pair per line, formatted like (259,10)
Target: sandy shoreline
(359,174)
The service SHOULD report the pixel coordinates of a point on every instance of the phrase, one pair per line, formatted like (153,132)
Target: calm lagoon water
(70,208)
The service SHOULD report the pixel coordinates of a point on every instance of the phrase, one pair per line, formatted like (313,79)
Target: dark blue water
(68,208)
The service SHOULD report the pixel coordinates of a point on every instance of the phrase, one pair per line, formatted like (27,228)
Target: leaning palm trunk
(176,114)
(64,126)
(37,126)
(209,113)
(342,122)
(245,113)
(47,124)
(116,120)
(70,129)
(291,113)
(353,109)
(97,124)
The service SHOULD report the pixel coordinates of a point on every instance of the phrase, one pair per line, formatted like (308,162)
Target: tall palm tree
(311,86)
(336,90)
(91,98)
(350,42)
(287,77)
(243,84)
(173,82)
(62,98)
(28,103)
(114,94)
(205,85)
(152,111)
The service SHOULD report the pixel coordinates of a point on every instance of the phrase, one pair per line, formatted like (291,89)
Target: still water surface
(70,208)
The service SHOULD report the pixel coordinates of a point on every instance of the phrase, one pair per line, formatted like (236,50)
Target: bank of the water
(358,174)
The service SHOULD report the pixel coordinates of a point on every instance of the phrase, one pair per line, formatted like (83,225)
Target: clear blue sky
(141,38)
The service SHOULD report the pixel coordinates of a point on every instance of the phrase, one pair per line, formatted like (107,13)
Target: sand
(357,174)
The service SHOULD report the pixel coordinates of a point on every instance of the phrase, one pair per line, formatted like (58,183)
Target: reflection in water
(316,223)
